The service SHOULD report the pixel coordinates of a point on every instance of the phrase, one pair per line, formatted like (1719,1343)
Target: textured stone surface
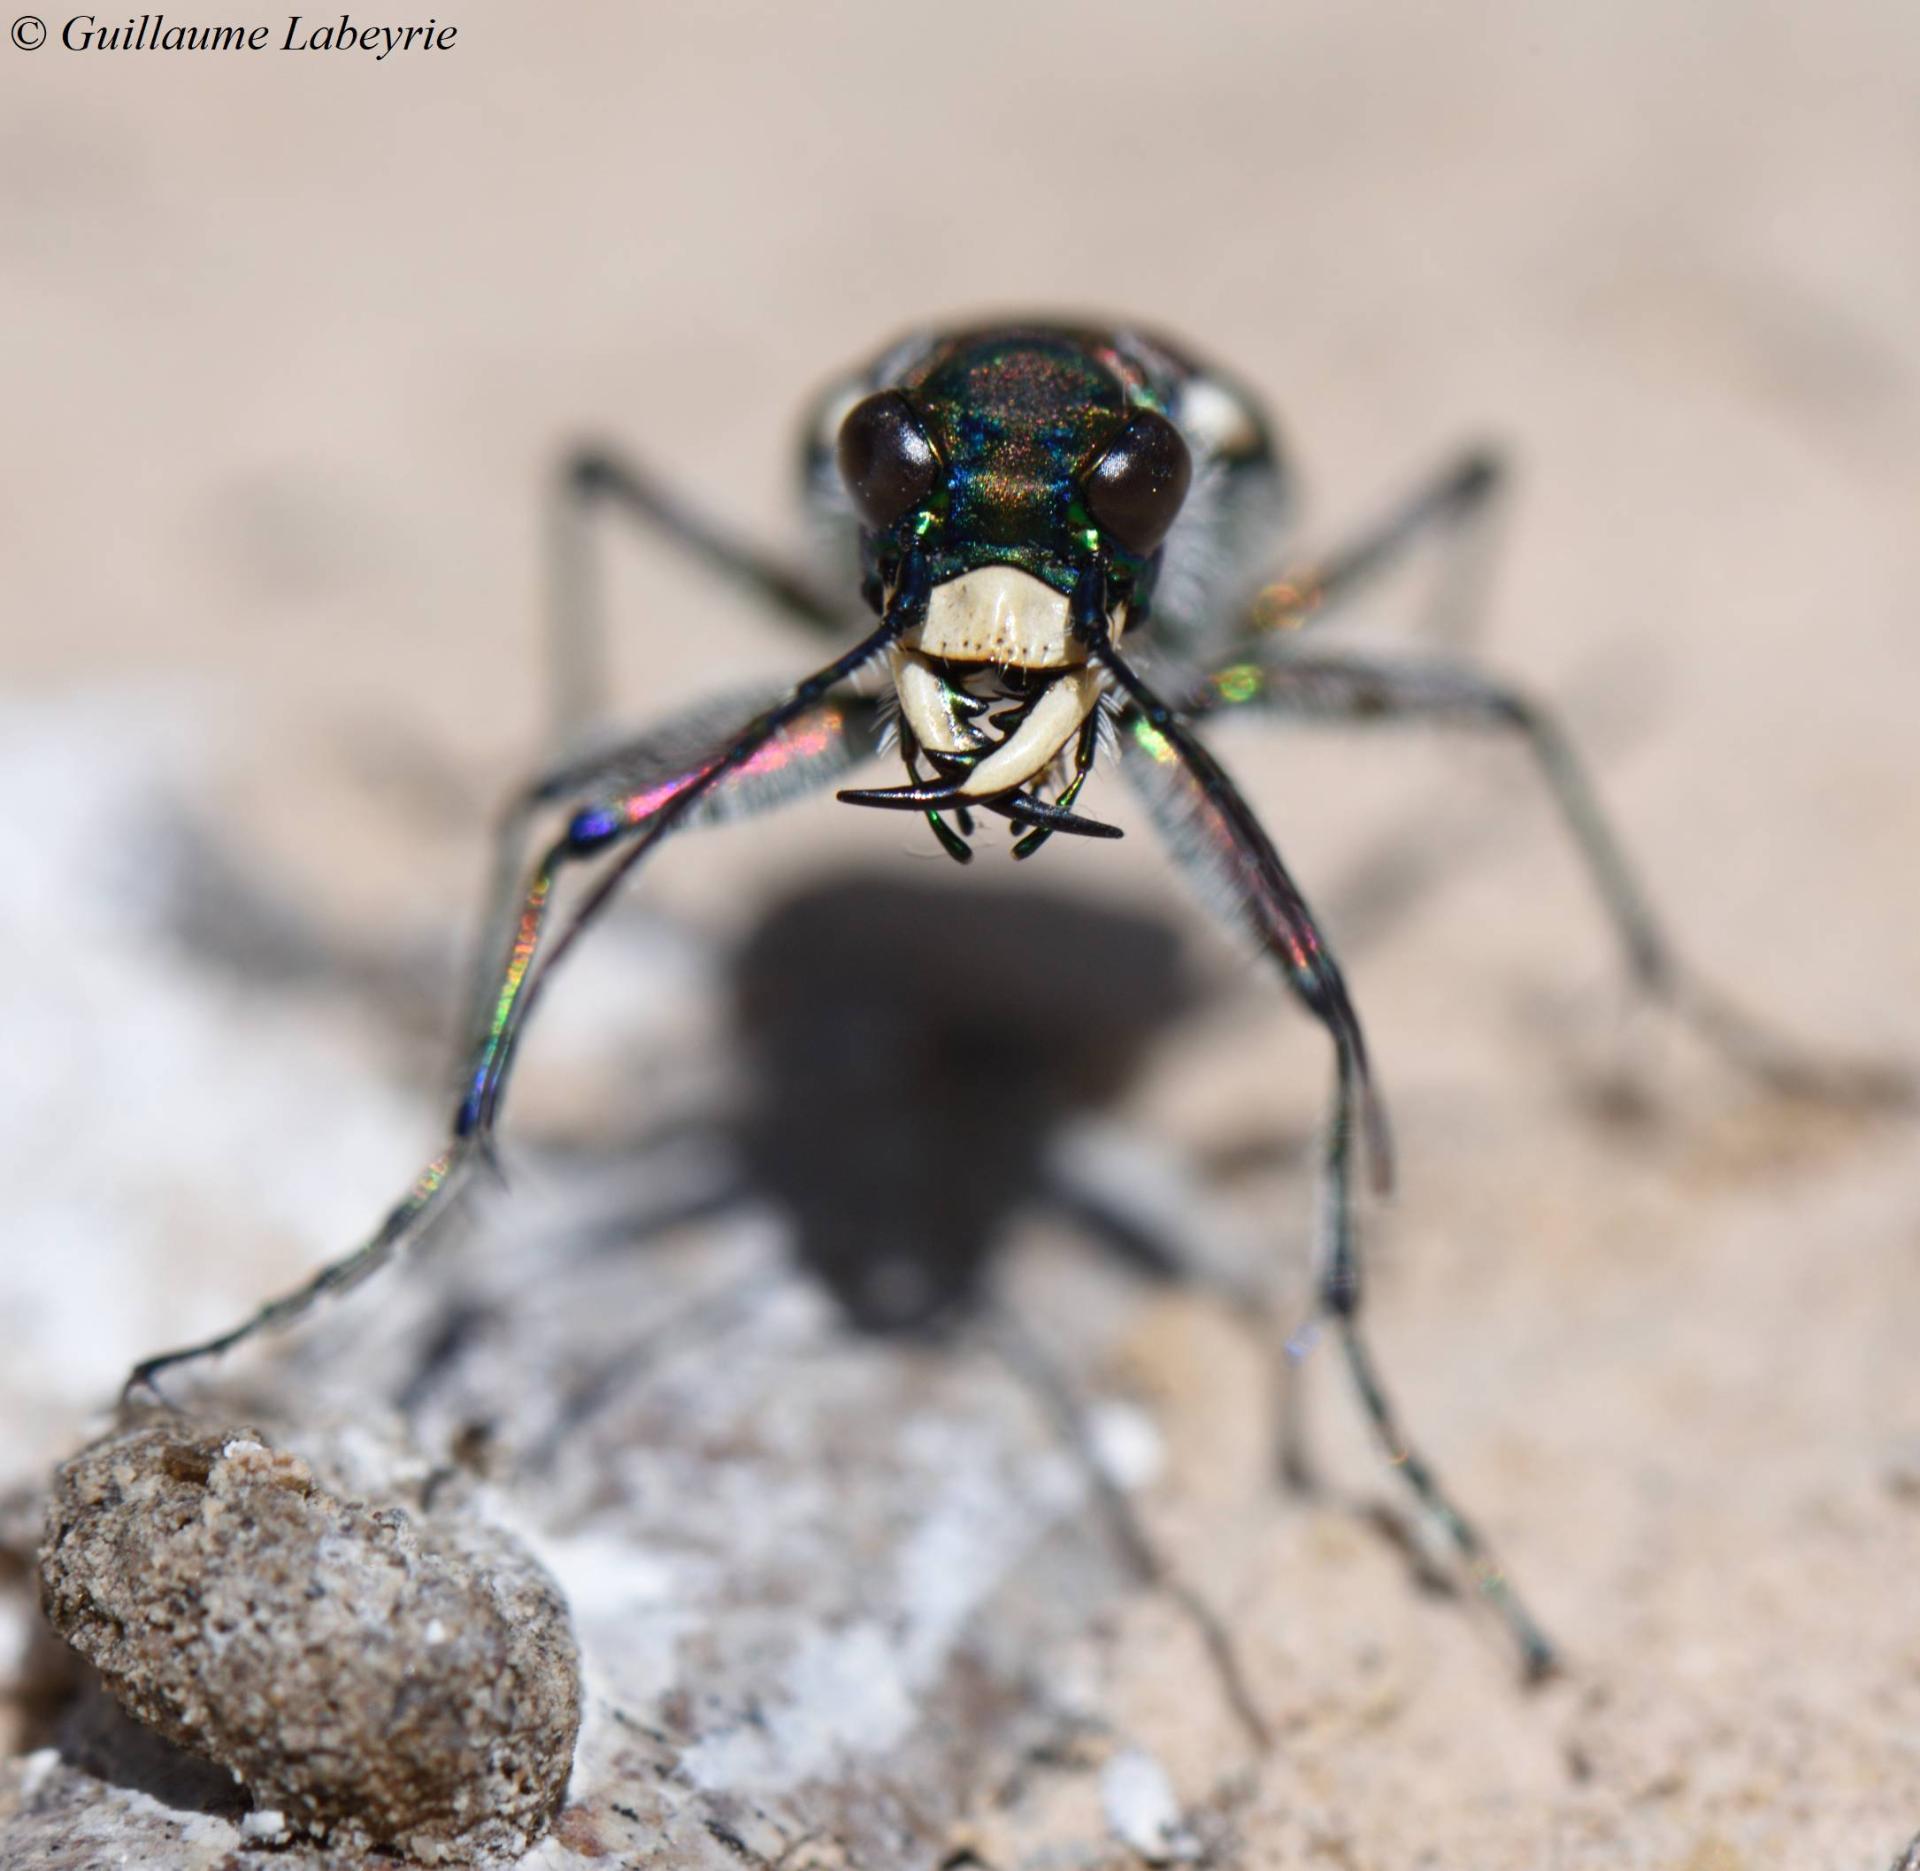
(373,1675)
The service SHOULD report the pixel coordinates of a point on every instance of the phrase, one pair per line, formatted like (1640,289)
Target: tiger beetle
(1028,512)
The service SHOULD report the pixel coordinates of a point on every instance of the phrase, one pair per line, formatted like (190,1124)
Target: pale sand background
(288,340)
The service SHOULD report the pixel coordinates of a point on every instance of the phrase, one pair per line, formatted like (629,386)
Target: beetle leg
(1455,507)
(633,799)
(1051,1389)
(593,478)
(1356,689)
(1209,828)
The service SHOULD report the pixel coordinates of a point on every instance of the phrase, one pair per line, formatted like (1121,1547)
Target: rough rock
(374,1675)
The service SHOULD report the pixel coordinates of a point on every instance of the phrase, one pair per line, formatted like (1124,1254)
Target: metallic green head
(1031,447)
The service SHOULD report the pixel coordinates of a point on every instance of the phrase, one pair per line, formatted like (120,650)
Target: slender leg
(1139,1241)
(1455,507)
(626,1233)
(511,834)
(429,1198)
(590,480)
(593,479)
(1292,1452)
(634,799)
(663,758)
(1029,1363)
(1209,828)
(1135,1241)
(1355,689)
(590,1391)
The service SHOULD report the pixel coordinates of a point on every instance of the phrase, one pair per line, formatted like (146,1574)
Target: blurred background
(293,340)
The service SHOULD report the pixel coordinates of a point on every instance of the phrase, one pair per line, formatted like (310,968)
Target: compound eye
(1135,489)
(886,460)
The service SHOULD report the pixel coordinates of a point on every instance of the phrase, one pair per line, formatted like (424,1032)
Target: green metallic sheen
(1017,415)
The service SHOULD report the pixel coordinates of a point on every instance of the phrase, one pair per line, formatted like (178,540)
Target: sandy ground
(291,338)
